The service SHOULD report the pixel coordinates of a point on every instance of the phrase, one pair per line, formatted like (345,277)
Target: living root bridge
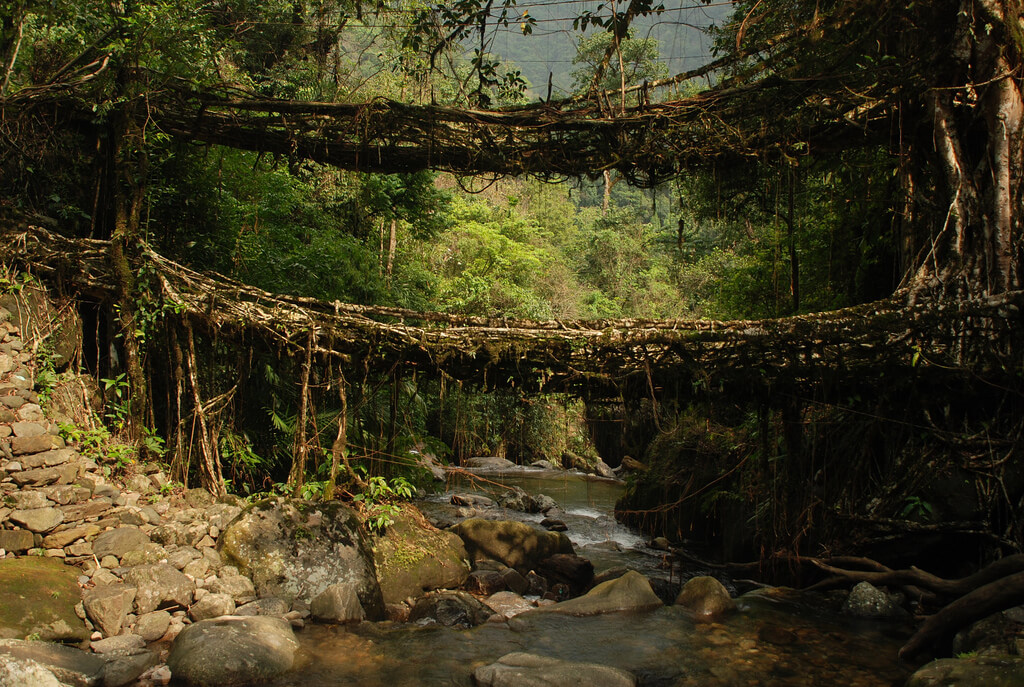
(592,359)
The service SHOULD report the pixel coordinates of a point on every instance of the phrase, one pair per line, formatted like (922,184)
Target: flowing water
(776,638)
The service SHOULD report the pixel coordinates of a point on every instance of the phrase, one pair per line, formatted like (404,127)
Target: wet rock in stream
(529,670)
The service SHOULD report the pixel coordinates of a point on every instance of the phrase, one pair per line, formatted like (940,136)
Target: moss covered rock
(706,597)
(413,557)
(514,543)
(37,600)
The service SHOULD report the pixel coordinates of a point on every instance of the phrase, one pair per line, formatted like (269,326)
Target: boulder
(528,670)
(515,498)
(514,543)
(232,651)
(706,597)
(451,609)
(475,500)
(266,606)
(339,603)
(211,606)
(159,585)
(152,626)
(485,582)
(37,519)
(490,463)
(238,587)
(121,645)
(602,469)
(412,557)
(575,572)
(23,672)
(118,542)
(508,604)
(39,599)
(991,671)
(294,550)
(108,606)
(631,592)
(68,665)
(867,601)
(16,541)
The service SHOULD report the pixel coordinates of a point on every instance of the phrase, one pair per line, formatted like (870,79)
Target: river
(778,637)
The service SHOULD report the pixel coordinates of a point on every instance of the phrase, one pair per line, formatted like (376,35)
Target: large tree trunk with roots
(974,244)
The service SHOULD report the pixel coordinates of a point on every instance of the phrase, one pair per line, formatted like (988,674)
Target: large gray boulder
(339,603)
(108,606)
(159,586)
(412,557)
(631,592)
(528,670)
(25,672)
(68,665)
(118,542)
(295,550)
(232,651)
(514,543)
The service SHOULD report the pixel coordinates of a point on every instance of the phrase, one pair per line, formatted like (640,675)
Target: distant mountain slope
(552,45)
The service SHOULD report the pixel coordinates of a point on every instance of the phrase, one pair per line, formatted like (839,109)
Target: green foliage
(916,507)
(118,400)
(379,499)
(639,59)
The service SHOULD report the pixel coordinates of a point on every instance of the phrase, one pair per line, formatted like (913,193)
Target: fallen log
(1001,594)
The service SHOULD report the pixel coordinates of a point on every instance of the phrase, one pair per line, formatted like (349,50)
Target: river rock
(339,603)
(706,597)
(475,500)
(508,604)
(412,557)
(159,585)
(37,519)
(28,500)
(631,592)
(528,670)
(490,463)
(121,645)
(233,650)
(867,601)
(39,598)
(514,543)
(295,550)
(970,671)
(68,665)
(152,626)
(238,587)
(108,606)
(25,673)
(118,542)
(211,606)
(574,571)
(515,498)
(602,469)
(451,609)
(16,541)
(266,606)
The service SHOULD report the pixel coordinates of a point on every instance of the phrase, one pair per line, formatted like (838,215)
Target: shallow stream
(776,638)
